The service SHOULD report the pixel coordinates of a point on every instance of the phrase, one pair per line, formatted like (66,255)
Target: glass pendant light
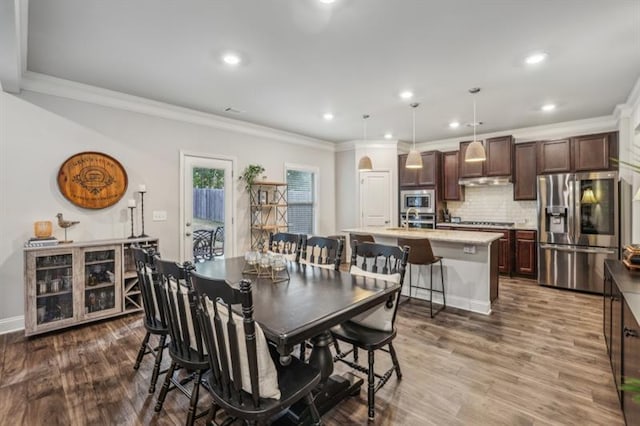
(414,159)
(475,150)
(365,165)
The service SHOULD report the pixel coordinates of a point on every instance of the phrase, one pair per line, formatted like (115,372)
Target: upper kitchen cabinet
(469,170)
(554,156)
(592,152)
(499,156)
(426,176)
(524,182)
(451,190)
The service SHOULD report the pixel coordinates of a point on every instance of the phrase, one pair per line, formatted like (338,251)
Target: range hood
(485,181)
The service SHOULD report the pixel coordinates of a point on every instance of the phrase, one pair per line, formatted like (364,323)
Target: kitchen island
(469,263)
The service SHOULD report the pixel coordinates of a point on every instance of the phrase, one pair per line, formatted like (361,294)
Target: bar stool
(422,254)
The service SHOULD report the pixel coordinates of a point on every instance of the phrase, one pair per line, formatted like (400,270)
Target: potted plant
(249,174)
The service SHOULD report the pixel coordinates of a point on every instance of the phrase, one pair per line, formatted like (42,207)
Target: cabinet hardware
(630,333)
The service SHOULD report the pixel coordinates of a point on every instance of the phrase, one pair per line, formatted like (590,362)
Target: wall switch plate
(469,249)
(159,215)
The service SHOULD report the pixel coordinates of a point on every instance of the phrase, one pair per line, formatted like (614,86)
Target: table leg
(321,357)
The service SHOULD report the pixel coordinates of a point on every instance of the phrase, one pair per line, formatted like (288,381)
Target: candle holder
(131,209)
(142,235)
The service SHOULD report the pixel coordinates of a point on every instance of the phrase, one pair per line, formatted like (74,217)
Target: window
(301,196)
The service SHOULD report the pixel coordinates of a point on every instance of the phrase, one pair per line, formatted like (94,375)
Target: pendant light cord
(475,123)
(414,128)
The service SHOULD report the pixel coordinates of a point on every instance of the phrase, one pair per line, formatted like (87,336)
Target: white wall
(346,214)
(38,132)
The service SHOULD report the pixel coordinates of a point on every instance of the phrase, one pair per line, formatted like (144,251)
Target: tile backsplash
(493,203)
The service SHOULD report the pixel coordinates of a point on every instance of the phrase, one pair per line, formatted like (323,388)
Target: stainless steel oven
(418,200)
(424,221)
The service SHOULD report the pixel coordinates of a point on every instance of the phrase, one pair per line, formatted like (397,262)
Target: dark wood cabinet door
(469,170)
(616,336)
(524,186)
(554,156)
(406,177)
(504,266)
(631,363)
(606,309)
(428,174)
(451,191)
(499,156)
(591,152)
(526,253)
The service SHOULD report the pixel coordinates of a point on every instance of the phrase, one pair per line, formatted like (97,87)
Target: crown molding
(48,85)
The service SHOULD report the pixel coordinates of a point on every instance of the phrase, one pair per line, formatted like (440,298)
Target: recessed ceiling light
(327,116)
(454,124)
(548,107)
(231,59)
(535,58)
(406,94)
(388,135)
(326,1)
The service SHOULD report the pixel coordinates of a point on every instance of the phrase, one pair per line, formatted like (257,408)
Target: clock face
(92,180)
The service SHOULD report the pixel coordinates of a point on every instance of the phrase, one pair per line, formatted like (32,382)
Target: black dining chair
(203,244)
(218,241)
(322,251)
(155,322)
(287,244)
(186,348)
(244,380)
(375,328)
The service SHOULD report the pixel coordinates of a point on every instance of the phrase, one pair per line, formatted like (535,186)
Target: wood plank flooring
(540,358)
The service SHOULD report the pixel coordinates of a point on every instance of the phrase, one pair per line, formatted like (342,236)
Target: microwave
(422,200)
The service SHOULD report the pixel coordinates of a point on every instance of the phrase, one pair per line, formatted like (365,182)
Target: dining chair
(218,241)
(155,322)
(287,244)
(186,348)
(243,379)
(323,252)
(203,245)
(375,328)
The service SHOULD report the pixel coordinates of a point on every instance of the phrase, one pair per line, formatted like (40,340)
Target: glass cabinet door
(54,287)
(100,278)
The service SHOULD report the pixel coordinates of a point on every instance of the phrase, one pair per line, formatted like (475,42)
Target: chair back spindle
(322,251)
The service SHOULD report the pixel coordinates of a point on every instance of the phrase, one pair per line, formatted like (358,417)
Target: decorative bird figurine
(65,224)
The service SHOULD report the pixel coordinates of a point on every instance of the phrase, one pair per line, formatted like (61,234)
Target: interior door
(206,207)
(375,199)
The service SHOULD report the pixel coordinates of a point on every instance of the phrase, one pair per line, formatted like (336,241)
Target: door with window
(206,211)
(302,199)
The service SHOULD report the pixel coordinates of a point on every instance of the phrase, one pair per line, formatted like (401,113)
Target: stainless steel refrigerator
(578,229)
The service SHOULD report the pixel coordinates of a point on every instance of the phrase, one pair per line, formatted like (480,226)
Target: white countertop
(450,236)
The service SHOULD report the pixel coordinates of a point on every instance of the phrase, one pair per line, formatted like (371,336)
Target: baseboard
(8,325)
(467,304)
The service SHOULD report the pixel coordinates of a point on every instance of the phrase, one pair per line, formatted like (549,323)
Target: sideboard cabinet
(75,283)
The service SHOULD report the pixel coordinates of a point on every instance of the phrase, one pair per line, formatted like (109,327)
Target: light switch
(159,215)
(469,249)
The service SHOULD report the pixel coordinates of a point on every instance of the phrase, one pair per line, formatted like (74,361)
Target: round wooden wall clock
(92,180)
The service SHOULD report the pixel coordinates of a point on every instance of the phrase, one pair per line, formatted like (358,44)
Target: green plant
(632,385)
(249,174)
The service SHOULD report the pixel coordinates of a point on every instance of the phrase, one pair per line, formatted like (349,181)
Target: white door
(375,199)
(206,205)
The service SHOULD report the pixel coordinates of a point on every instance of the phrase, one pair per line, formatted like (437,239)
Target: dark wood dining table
(305,307)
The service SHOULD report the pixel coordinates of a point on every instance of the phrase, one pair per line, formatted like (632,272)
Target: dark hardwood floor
(540,358)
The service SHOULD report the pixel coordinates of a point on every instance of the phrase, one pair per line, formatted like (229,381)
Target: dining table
(304,307)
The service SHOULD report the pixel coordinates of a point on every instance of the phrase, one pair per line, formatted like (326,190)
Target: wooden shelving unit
(71,284)
(269,205)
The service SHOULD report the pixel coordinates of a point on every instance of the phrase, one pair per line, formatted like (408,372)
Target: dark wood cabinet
(525,263)
(631,362)
(426,176)
(469,170)
(606,309)
(505,252)
(451,191)
(554,156)
(593,152)
(616,337)
(499,156)
(524,182)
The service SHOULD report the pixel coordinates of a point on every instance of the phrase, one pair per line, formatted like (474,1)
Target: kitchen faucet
(406,218)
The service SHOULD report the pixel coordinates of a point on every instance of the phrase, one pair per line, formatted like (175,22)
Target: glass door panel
(54,288)
(100,281)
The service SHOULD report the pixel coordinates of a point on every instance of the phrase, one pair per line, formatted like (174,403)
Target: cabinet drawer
(526,235)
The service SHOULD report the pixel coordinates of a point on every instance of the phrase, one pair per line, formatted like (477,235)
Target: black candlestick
(143,235)
(131,209)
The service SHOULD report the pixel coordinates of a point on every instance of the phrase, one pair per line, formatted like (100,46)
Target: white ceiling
(303,58)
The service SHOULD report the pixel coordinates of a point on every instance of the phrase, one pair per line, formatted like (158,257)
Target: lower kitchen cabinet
(631,363)
(525,262)
(505,252)
(70,284)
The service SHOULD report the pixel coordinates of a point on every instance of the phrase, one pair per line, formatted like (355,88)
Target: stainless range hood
(485,181)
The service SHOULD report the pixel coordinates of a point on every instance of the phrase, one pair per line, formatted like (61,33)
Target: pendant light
(365,165)
(475,150)
(414,159)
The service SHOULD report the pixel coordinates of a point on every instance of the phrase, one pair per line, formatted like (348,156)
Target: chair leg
(444,298)
(431,290)
(165,387)
(156,367)
(394,359)
(336,346)
(315,415)
(191,415)
(371,393)
(303,350)
(143,349)
(355,353)
(410,281)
